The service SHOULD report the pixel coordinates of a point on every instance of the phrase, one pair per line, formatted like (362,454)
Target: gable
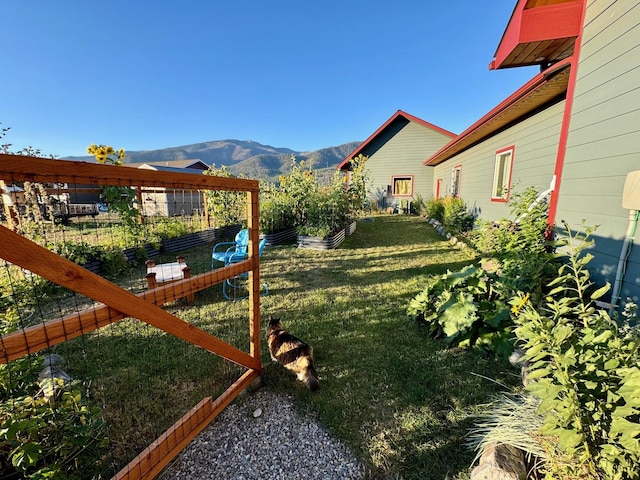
(389,130)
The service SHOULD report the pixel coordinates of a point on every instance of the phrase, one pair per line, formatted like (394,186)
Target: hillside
(247,158)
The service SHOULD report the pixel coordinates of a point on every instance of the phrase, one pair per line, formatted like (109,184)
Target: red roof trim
(519,94)
(399,113)
(536,24)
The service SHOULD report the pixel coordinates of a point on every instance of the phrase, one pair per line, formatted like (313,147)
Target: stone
(500,462)
(51,379)
(51,359)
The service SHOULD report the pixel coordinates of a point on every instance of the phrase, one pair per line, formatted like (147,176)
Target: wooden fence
(118,303)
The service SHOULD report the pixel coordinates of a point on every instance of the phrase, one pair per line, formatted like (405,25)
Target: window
(502,175)
(402,186)
(455,181)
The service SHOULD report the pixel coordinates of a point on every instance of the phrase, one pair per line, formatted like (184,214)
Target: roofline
(399,113)
(518,8)
(518,95)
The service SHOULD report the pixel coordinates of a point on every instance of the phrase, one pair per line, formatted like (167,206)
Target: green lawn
(401,401)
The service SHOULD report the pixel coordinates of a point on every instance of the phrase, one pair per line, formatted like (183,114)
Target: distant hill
(247,158)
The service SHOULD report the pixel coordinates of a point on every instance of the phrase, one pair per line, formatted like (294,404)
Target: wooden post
(253,223)
(205,206)
(7,203)
(140,205)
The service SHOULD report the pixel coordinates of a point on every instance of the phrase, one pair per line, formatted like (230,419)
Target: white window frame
(456,173)
(502,171)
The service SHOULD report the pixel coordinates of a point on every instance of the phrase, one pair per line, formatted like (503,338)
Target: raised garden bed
(327,243)
(280,238)
(196,239)
(351,228)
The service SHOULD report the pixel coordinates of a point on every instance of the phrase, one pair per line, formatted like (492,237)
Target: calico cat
(292,353)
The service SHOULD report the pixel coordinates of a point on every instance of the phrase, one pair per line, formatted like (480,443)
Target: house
(171,202)
(395,154)
(571,131)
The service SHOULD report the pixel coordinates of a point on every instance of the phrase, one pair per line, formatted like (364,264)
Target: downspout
(622,261)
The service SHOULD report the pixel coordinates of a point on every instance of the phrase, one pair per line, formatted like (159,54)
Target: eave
(540,32)
(344,165)
(541,89)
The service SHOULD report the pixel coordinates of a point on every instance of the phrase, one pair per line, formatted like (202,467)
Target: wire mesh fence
(98,363)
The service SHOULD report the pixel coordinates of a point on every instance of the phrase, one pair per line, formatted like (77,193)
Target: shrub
(225,207)
(114,262)
(41,436)
(468,308)
(455,219)
(519,246)
(434,208)
(585,370)
(277,210)
(451,213)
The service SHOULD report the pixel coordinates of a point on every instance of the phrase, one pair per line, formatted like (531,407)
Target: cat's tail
(311,378)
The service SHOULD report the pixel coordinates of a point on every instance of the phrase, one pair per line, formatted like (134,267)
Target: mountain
(248,158)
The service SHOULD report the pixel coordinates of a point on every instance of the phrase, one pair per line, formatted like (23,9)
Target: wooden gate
(118,303)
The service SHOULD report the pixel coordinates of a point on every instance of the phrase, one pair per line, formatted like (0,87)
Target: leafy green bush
(434,208)
(519,246)
(326,212)
(455,219)
(357,187)
(113,261)
(451,213)
(277,210)
(585,369)
(314,209)
(468,308)
(41,436)
(225,207)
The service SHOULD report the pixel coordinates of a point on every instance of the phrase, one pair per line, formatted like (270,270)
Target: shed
(170,202)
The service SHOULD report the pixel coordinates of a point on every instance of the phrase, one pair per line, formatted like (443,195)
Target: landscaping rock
(51,359)
(500,462)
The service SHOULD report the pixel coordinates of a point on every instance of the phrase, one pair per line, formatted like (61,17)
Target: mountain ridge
(241,157)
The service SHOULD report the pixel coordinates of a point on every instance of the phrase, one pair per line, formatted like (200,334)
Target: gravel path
(261,436)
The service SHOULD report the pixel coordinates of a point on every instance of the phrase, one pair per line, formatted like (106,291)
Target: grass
(401,401)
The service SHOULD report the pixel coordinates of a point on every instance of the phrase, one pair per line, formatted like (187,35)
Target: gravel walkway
(261,436)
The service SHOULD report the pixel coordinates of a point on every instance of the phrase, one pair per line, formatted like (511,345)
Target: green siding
(536,143)
(604,136)
(401,149)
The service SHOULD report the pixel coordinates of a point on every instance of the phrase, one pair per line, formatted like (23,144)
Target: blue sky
(142,75)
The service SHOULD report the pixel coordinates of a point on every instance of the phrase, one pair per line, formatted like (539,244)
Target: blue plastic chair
(235,288)
(223,251)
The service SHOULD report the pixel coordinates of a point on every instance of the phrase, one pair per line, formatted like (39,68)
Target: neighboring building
(395,154)
(171,202)
(194,164)
(572,130)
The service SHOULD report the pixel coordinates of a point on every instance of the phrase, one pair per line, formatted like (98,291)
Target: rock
(51,379)
(51,359)
(500,462)
(49,373)
(516,360)
(257,412)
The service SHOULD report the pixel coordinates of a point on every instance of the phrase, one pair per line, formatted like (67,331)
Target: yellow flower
(121,153)
(101,158)
(516,308)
